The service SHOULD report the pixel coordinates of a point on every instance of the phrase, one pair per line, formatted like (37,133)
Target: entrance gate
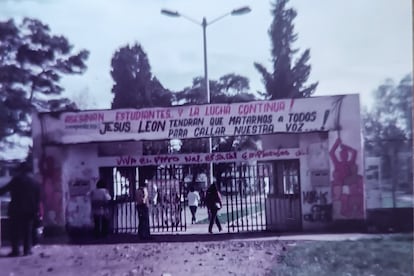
(244,190)
(248,195)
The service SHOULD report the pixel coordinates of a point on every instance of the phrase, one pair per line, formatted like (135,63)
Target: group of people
(24,209)
(100,196)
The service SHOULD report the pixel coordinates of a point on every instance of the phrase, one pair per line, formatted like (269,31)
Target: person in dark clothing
(213,203)
(141,199)
(37,226)
(23,208)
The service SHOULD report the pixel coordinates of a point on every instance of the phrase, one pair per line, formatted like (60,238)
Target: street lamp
(204,24)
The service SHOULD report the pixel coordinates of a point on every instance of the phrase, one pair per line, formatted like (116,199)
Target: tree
(287,80)
(390,116)
(135,86)
(229,88)
(388,127)
(32,62)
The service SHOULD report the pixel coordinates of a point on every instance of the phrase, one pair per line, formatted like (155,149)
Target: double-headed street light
(204,23)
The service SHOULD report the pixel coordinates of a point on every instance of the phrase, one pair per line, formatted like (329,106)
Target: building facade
(310,149)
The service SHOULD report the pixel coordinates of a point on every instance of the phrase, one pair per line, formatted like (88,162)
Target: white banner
(199,158)
(197,121)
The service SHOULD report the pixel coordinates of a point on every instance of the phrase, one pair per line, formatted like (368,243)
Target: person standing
(100,198)
(23,208)
(193,201)
(202,198)
(213,203)
(141,198)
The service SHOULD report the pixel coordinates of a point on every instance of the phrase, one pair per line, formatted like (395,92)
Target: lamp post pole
(204,24)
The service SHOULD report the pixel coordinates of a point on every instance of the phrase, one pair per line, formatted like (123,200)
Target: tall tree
(135,86)
(388,128)
(32,61)
(288,78)
(390,117)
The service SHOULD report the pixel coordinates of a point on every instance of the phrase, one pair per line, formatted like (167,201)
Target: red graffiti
(347,185)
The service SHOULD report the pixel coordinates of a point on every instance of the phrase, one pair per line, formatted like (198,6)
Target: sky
(355,44)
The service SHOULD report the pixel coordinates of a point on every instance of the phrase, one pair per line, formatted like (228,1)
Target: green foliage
(32,61)
(388,132)
(389,122)
(288,78)
(229,88)
(135,86)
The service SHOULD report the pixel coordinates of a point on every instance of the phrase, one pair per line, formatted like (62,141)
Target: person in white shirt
(193,201)
(100,198)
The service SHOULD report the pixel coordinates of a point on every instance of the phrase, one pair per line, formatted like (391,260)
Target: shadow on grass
(381,256)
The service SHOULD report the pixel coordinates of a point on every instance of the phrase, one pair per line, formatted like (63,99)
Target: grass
(380,257)
(237,214)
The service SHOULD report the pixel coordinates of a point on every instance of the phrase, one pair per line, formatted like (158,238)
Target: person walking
(213,203)
(23,208)
(193,201)
(141,198)
(100,198)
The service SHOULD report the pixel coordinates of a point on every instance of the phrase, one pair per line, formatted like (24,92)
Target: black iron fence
(244,190)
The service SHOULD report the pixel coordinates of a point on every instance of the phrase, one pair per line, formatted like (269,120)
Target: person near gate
(213,203)
(100,198)
(141,198)
(23,208)
(193,201)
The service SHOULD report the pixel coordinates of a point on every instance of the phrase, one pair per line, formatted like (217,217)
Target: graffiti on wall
(52,187)
(319,213)
(347,184)
(312,197)
(320,210)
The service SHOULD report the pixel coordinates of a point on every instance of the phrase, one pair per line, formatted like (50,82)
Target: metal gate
(263,196)
(168,210)
(166,197)
(244,189)
(283,205)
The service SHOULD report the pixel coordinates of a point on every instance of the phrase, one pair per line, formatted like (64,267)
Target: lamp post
(204,23)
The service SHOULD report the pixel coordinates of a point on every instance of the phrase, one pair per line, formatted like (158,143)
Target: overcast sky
(355,44)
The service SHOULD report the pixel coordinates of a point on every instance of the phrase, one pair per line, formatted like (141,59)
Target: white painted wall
(80,175)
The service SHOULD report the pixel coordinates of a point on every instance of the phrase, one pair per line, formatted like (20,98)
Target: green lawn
(237,214)
(388,256)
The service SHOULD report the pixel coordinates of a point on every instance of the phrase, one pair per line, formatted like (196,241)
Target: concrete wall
(330,189)
(80,175)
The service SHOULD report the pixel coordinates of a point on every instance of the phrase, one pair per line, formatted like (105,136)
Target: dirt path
(189,258)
